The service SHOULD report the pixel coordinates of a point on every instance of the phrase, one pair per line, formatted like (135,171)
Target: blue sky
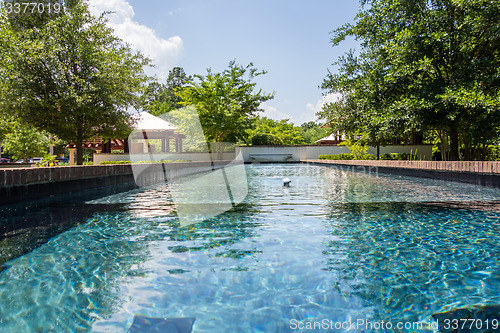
(289,39)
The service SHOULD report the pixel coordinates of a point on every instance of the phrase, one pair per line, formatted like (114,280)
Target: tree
(28,15)
(226,102)
(161,98)
(72,77)
(312,132)
(273,132)
(423,65)
(24,142)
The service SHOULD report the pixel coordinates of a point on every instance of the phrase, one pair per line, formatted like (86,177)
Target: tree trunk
(79,152)
(378,151)
(126,148)
(454,156)
(444,144)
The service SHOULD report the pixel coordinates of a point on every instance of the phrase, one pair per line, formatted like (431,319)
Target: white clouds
(164,52)
(298,116)
(314,108)
(273,112)
(172,12)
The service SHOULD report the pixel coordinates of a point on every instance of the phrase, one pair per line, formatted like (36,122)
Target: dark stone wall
(20,184)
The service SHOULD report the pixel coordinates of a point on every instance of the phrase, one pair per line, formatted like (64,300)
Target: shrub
(129,162)
(266,139)
(493,153)
(356,148)
(113,162)
(344,156)
(395,156)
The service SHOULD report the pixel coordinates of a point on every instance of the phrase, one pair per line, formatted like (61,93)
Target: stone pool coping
(472,172)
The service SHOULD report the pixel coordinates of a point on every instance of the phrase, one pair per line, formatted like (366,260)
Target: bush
(395,156)
(344,156)
(129,162)
(113,162)
(493,153)
(266,139)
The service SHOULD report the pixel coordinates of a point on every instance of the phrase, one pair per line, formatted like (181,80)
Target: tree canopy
(423,65)
(227,102)
(25,142)
(70,76)
(312,132)
(275,132)
(160,98)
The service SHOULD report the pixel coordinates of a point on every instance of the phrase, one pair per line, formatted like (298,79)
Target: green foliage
(114,162)
(25,142)
(424,65)
(27,15)
(48,160)
(356,147)
(226,102)
(395,156)
(162,98)
(493,153)
(71,77)
(140,162)
(344,156)
(273,132)
(312,132)
(7,125)
(263,139)
(186,119)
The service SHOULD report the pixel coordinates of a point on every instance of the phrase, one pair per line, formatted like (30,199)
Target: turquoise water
(336,245)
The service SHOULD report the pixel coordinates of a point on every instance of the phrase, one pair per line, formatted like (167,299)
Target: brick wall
(452,166)
(28,176)
(21,184)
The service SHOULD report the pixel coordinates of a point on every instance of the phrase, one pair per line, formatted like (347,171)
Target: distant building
(148,129)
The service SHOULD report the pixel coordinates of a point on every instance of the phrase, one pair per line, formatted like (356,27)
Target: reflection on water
(335,245)
(410,260)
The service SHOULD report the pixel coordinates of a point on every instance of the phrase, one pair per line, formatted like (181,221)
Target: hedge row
(344,156)
(129,162)
(396,156)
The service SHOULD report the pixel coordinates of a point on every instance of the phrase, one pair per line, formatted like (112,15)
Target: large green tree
(312,132)
(70,76)
(25,142)
(160,98)
(227,102)
(424,64)
(275,132)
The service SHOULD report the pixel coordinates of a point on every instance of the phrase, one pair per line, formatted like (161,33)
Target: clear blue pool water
(336,245)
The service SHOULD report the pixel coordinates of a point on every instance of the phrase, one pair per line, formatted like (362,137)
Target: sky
(289,39)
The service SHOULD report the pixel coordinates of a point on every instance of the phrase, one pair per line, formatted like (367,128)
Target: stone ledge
(476,173)
(11,177)
(19,184)
(489,167)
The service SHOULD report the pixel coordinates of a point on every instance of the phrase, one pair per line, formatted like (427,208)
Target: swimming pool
(337,245)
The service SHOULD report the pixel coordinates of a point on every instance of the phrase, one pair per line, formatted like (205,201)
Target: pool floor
(336,247)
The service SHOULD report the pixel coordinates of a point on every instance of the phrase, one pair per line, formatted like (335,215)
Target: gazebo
(332,139)
(149,127)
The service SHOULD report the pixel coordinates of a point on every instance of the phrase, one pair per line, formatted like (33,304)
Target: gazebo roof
(147,122)
(331,137)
